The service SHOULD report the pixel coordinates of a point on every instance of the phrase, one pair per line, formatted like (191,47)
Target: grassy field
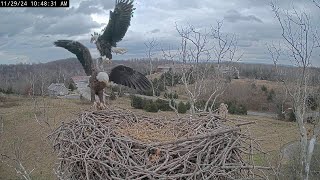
(19,115)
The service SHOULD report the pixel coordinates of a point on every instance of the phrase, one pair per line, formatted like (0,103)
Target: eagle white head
(103,77)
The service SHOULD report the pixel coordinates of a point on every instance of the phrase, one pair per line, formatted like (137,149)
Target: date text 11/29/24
(34,3)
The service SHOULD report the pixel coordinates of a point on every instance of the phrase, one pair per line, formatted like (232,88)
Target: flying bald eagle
(99,80)
(119,22)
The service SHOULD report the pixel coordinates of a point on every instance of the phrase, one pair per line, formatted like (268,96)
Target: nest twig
(117,144)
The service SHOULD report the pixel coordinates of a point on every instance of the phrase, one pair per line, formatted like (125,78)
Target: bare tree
(316,35)
(316,3)
(43,78)
(225,48)
(170,56)
(151,45)
(225,45)
(1,125)
(31,79)
(194,52)
(299,42)
(200,49)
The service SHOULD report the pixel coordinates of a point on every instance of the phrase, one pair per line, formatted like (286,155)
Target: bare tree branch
(151,45)
(316,3)
(300,41)
(15,162)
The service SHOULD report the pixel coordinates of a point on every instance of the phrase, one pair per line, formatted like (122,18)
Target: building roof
(76,79)
(57,87)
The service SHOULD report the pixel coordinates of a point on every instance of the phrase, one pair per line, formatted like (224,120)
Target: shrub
(113,96)
(163,105)
(72,86)
(170,78)
(149,92)
(9,90)
(311,102)
(188,105)
(242,109)
(292,116)
(264,88)
(115,88)
(235,108)
(182,108)
(157,92)
(137,102)
(271,95)
(150,106)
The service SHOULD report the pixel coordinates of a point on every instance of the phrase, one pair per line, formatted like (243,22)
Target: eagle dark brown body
(96,87)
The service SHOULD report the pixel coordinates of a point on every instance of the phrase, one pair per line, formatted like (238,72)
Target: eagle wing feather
(119,22)
(82,53)
(128,77)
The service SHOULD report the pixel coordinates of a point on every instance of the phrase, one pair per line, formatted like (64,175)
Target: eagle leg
(95,105)
(102,104)
(93,96)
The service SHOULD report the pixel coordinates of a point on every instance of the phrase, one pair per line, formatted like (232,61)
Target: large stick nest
(117,144)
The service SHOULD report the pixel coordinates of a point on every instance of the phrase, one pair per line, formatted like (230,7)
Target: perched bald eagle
(99,80)
(119,22)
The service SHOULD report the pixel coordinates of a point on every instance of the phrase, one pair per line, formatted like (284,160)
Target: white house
(57,89)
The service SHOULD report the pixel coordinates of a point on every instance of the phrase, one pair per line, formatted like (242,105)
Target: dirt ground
(24,122)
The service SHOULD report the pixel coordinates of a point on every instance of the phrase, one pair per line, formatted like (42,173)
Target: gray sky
(27,34)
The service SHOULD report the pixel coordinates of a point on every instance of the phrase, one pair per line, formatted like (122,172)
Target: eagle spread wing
(119,22)
(128,77)
(82,53)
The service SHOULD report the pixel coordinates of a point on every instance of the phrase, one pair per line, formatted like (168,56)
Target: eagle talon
(95,105)
(103,106)
(99,106)
(106,60)
(118,50)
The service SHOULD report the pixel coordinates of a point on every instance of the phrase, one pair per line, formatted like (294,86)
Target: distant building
(82,83)
(57,89)
(176,68)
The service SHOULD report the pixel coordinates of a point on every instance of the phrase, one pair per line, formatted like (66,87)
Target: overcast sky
(26,35)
